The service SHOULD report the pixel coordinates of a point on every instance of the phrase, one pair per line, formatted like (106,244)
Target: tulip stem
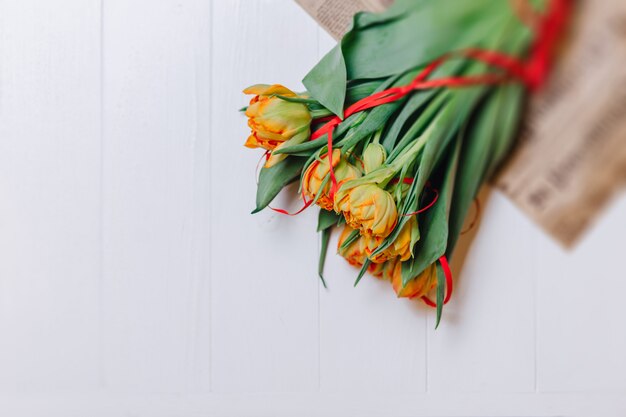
(412,152)
(319,113)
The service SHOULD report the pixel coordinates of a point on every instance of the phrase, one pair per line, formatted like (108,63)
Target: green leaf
(419,34)
(445,127)
(272,180)
(303,149)
(509,121)
(362,271)
(441,289)
(363,20)
(327,81)
(322,186)
(323,251)
(434,224)
(326,220)
(487,141)
(352,237)
(302,100)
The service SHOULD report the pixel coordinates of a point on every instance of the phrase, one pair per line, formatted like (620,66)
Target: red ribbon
(410,181)
(449,283)
(427,207)
(306,204)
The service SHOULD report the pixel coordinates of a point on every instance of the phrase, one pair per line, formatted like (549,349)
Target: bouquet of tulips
(401,124)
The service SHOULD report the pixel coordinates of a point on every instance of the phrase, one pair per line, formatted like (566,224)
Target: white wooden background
(134,282)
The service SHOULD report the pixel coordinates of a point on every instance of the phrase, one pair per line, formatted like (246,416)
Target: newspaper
(571,156)
(335,16)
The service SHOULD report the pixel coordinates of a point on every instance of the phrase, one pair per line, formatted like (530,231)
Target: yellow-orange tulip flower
(401,248)
(367,208)
(355,254)
(376,270)
(417,287)
(274,121)
(316,173)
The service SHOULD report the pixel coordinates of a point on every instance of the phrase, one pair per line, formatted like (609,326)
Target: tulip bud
(368,208)
(374,156)
(275,122)
(319,170)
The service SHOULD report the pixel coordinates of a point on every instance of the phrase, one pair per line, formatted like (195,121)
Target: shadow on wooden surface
(470,230)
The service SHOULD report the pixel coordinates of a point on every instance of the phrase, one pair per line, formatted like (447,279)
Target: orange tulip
(319,170)
(376,270)
(275,122)
(417,287)
(355,254)
(368,208)
(401,248)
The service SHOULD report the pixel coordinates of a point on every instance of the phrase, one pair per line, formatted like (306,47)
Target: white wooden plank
(156,113)
(318,405)
(263,267)
(581,311)
(50,188)
(370,341)
(486,341)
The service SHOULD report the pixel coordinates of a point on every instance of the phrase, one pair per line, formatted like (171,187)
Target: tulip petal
(251,142)
(267,90)
(257,89)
